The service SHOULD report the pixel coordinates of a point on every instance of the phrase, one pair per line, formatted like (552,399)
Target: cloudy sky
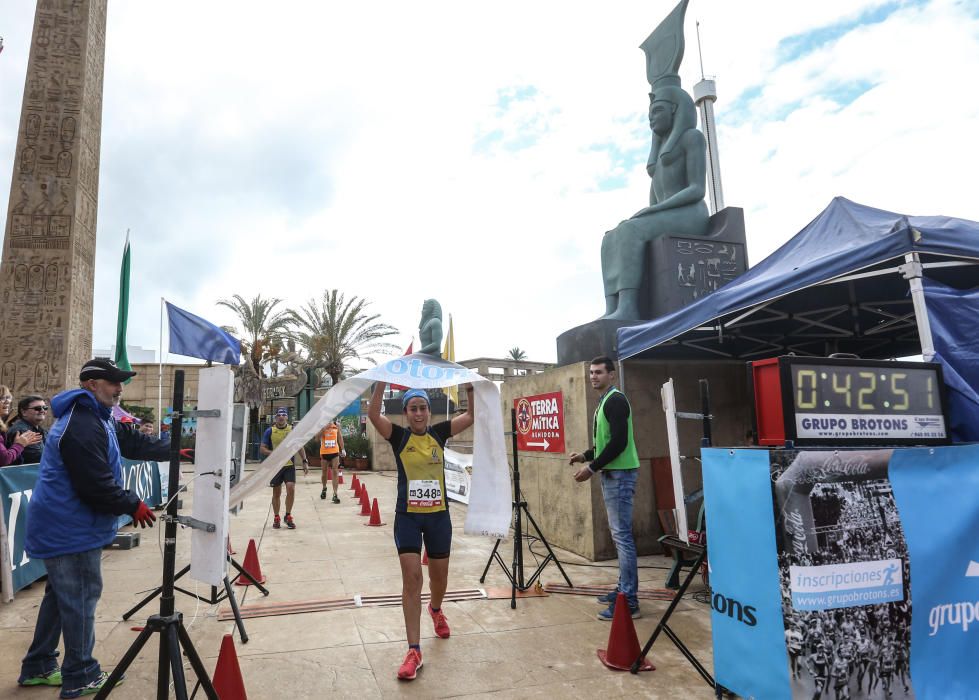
(476,152)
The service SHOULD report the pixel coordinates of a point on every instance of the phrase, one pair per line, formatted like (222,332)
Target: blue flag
(192,336)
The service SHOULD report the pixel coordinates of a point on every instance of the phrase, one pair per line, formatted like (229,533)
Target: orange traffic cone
(623,644)
(355,485)
(251,565)
(375,520)
(425,557)
(329,473)
(365,503)
(227,680)
(339,476)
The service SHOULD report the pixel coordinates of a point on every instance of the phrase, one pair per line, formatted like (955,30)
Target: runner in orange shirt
(331,448)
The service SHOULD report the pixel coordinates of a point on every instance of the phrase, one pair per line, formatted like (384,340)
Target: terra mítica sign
(540,422)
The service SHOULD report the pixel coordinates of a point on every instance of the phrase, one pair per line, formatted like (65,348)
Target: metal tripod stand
(516,573)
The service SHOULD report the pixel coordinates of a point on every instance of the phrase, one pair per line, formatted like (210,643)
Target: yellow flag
(449,353)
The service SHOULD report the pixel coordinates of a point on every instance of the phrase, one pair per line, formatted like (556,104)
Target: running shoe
(609,613)
(323,494)
(290,523)
(608,598)
(90,689)
(336,499)
(49,678)
(441,625)
(277,522)
(409,669)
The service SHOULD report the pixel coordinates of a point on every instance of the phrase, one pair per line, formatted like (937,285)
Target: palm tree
(517,354)
(335,331)
(262,327)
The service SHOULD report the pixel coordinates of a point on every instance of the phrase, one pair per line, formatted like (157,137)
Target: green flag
(122,357)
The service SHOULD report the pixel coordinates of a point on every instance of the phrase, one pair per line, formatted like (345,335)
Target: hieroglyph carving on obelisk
(47,276)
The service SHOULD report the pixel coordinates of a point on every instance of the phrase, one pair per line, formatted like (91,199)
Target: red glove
(143,516)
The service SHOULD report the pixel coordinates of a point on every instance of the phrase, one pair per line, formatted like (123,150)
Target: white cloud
(285,150)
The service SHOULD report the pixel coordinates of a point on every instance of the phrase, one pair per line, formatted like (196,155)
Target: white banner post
(673,441)
(212,475)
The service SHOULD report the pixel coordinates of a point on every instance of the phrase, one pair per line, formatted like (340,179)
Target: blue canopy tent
(842,284)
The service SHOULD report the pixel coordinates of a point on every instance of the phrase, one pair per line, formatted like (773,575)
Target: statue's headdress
(664,53)
(664,49)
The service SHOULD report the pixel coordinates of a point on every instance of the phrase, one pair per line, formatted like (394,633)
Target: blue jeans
(70,596)
(618,488)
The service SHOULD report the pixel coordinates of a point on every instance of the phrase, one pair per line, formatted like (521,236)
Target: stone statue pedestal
(683,270)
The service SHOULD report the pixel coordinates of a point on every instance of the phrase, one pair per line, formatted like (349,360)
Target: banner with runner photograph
(844,573)
(838,559)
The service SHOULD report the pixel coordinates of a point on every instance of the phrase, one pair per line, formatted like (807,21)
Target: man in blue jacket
(74,509)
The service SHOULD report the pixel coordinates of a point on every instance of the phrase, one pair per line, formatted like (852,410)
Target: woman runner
(422,512)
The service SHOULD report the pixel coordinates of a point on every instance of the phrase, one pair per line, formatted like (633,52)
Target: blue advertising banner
(937,492)
(144,479)
(746,617)
(16,488)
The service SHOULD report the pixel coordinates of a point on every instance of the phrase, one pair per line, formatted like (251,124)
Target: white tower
(704,96)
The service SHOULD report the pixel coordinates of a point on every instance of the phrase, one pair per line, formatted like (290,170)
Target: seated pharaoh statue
(430,328)
(673,252)
(678,168)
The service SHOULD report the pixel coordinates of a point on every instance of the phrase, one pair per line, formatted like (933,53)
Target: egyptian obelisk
(47,276)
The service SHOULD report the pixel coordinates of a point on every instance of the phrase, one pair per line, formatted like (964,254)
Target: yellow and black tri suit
(271,439)
(422,510)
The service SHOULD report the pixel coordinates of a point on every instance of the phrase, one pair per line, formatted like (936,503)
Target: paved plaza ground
(545,648)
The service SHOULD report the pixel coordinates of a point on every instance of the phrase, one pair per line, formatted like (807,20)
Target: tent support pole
(912,273)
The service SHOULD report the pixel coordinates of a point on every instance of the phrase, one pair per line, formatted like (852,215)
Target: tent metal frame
(817,326)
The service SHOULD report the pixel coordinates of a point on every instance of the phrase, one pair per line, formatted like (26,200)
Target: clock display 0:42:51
(845,389)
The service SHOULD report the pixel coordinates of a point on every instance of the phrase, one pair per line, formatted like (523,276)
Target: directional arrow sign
(540,422)
(973,569)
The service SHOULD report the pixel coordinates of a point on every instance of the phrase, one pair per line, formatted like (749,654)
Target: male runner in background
(274,435)
(331,448)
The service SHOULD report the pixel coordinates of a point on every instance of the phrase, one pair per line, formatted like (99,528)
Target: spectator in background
(22,441)
(10,455)
(6,402)
(147,427)
(32,410)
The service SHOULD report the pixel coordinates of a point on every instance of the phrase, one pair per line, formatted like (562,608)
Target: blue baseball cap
(282,412)
(415,394)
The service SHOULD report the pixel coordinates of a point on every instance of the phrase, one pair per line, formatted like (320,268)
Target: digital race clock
(833,401)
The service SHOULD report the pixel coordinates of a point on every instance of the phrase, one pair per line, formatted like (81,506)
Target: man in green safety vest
(614,456)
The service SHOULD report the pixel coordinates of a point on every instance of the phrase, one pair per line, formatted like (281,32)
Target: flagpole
(159,396)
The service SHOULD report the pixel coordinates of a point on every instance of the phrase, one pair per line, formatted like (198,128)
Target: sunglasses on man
(37,408)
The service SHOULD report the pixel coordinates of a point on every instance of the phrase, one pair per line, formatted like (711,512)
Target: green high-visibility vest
(628,458)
